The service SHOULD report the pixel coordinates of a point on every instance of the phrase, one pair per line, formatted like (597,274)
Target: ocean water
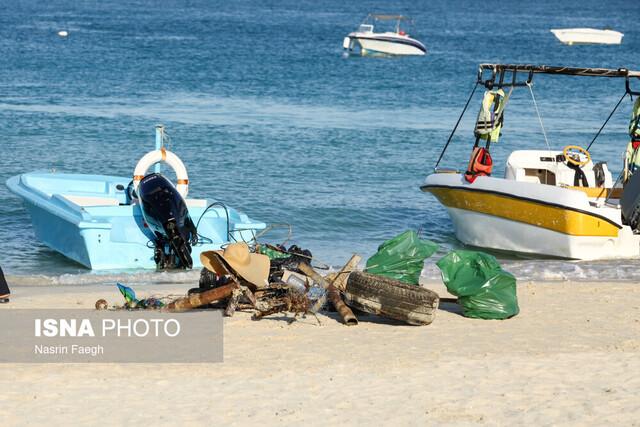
(271,118)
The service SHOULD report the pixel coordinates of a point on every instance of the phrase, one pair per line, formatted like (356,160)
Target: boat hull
(113,236)
(388,45)
(532,219)
(491,232)
(91,245)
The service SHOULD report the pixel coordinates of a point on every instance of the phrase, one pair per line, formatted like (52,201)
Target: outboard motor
(165,212)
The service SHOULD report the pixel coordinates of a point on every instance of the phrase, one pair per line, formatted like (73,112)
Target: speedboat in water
(550,202)
(144,221)
(396,42)
(572,36)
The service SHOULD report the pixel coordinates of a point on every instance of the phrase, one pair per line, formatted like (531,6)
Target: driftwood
(279,298)
(234,301)
(345,312)
(276,298)
(232,291)
(341,277)
(199,299)
(339,280)
(333,294)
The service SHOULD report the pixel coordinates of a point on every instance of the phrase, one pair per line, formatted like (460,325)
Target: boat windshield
(365,28)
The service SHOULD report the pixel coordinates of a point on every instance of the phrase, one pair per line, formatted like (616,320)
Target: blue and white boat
(97,220)
(395,42)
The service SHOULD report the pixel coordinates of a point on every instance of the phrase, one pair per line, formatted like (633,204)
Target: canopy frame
(497,74)
(372,17)
(496,78)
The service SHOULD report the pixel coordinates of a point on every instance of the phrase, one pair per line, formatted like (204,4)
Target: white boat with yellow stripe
(557,203)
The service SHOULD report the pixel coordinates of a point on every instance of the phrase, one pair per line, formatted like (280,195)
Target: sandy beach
(142,142)
(571,357)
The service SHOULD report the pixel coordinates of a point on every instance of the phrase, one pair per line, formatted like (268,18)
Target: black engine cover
(165,212)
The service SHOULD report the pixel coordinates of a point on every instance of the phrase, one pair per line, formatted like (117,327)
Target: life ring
(162,155)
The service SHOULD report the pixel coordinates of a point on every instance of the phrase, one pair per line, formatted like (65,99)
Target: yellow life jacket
(491,115)
(633,155)
(634,123)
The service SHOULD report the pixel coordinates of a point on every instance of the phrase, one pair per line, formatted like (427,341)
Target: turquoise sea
(271,118)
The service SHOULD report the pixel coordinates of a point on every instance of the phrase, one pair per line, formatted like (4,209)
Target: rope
(456,126)
(607,121)
(535,104)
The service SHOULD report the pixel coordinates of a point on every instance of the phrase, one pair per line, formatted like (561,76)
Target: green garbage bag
(401,258)
(483,288)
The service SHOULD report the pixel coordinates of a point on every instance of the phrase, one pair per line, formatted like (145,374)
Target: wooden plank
(199,299)
(341,277)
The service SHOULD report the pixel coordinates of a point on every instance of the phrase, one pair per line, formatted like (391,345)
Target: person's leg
(4,288)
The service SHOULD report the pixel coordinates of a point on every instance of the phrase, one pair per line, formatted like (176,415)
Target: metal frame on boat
(550,202)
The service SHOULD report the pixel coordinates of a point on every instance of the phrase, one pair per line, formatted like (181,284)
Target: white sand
(571,357)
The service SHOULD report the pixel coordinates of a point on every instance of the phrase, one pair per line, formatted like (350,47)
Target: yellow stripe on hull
(540,214)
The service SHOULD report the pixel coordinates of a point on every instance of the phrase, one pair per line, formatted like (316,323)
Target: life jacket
(633,155)
(491,115)
(480,164)
(632,152)
(634,123)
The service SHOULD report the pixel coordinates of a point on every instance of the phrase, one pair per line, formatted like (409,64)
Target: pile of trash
(268,279)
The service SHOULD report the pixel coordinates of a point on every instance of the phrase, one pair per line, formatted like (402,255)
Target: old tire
(390,298)
(208,280)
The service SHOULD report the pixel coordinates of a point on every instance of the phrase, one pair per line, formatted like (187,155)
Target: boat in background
(396,42)
(556,203)
(571,36)
(98,221)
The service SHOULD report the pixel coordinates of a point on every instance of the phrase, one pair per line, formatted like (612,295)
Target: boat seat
(538,166)
(86,201)
(541,167)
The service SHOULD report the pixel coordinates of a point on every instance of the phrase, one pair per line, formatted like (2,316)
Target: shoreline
(190,279)
(525,271)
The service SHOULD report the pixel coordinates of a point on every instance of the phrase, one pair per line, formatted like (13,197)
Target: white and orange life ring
(162,155)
